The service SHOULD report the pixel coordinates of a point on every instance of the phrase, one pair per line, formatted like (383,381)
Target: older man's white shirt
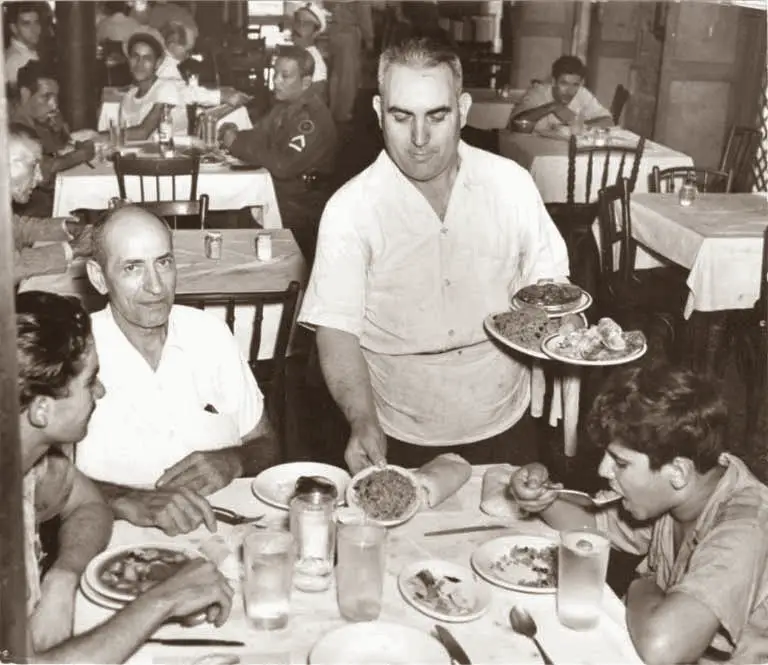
(149,420)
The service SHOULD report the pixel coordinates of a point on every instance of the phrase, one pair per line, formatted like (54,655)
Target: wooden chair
(707,180)
(191,211)
(187,166)
(652,299)
(574,219)
(269,373)
(620,98)
(738,154)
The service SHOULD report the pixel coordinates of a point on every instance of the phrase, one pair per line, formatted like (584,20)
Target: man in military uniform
(296,142)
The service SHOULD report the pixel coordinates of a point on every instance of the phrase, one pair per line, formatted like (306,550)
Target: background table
(486,640)
(719,239)
(238,270)
(547,160)
(489,110)
(85,187)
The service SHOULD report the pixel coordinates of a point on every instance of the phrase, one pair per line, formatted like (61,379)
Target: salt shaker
(688,192)
(313,528)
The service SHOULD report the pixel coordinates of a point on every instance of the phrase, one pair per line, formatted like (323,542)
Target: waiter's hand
(367,445)
(227,134)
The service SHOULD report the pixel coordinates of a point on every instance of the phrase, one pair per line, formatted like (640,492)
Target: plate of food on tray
(388,495)
(520,562)
(276,485)
(602,344)
(555,298)
(526,328)
(443,590)
(124,573)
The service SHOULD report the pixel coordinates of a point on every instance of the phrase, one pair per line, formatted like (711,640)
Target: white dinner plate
(94,568)
(477,596)
(378,643)
(550,347)
(491,562)
(582,304)
(354,501)
(492,330)
(96,598)
(274,486)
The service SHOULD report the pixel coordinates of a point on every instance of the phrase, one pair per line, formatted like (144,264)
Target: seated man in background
(65,237)
(59,386)
(183,415)
(695,512)
(309,22)
(563,101)
(296,142)
(23,20)
(37,107)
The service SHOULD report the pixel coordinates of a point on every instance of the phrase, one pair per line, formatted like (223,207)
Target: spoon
(587,500)
(523,624)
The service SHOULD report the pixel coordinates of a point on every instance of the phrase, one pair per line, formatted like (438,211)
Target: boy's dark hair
(568,64)
(663,413)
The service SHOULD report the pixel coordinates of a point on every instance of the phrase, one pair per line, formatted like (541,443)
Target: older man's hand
(52,620)
(173,510)
(203,472)
(227,134)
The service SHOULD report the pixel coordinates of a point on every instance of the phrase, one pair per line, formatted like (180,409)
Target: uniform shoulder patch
(306,126)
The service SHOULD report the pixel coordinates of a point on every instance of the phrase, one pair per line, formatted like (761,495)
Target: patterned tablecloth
(719,238)
(489,110)
(486,640)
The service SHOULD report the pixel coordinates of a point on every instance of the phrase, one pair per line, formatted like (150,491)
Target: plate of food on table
(526,328)
(520,562)
(276,485)
(555,298)
(602,344)
(388,495)
(443,590)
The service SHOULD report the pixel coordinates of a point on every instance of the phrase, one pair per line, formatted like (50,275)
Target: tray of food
(599,345)
(388,495)
(520,562)
(555,298)
(524,329)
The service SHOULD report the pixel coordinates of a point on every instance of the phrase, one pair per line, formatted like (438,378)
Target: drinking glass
(117,133)
(688,192)
(360,570)
(582,564)
(267,578)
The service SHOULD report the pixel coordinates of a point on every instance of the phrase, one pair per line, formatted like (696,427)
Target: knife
(195,642)
(468,529)
(455,650)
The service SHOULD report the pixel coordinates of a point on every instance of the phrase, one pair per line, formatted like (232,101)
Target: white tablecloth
(719,238)
(83,187)
(547,160)
(486,640)
(489,110)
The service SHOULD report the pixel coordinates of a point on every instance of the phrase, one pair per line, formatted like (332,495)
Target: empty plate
(275,486)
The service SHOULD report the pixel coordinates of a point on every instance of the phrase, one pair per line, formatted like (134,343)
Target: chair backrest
(608,154)
(170,211)
(738,153)
(764,286)
(615,223)
(620,98)
(156,168)
(707,180)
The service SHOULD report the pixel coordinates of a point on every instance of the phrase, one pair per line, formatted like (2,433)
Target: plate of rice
(388,495)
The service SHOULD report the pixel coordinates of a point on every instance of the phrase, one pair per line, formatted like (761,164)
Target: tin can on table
(264,247)
(213,242)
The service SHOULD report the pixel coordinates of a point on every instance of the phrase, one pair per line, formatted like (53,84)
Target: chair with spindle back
(738,154)
(669,180)
(171,211)
(269,373)
(651,299)
(574,219)
(154,168)
(619,101)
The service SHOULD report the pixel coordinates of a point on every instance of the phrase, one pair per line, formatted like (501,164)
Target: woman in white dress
(141,107)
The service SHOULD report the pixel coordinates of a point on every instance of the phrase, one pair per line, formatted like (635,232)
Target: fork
(231,517)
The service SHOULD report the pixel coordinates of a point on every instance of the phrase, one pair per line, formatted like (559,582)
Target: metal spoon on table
(523,624)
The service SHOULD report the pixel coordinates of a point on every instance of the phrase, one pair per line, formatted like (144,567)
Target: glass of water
(582,565)
(360,569)
(267,578)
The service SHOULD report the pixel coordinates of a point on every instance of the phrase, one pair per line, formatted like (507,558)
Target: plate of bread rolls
(599,345)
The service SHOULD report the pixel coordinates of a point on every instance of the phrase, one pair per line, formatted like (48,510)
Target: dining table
(238,270)
(228,188)
(488,639)
(491,108)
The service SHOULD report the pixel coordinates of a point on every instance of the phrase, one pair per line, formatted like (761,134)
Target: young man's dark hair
(568,64)
(32,73)
(149,40)
(662,413)
(300,56)
(13,10)
(53,333)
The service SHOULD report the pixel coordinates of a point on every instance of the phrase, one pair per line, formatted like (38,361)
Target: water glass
(267,578)
(117,134)
(688,193)
(582,565)
(360,570)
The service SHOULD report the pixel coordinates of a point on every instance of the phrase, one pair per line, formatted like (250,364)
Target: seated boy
(695,512)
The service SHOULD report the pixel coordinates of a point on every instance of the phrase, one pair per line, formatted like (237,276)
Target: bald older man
(182,415)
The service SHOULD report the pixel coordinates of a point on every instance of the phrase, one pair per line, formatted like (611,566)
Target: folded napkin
(495,499)
(443,477)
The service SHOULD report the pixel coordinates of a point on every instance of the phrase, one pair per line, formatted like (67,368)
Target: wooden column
(581,21)
(76,52)
(13,581)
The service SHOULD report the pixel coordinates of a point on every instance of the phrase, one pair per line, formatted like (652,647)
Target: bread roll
(495,499)
(443,477)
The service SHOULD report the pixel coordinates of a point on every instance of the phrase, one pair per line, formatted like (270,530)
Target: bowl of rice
(388,495)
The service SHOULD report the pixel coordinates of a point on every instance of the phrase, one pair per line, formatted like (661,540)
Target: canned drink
(263,247)
(213,242)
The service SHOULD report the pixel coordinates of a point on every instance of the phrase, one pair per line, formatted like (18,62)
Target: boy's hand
(530,487)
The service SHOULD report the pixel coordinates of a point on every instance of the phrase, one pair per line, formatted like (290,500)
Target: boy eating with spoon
(694,511)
